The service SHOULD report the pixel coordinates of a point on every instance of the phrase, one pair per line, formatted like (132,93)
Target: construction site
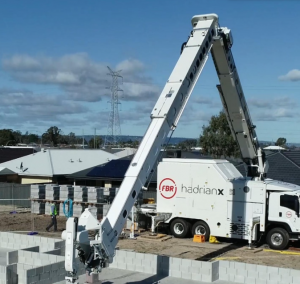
(139,216)
(37,256)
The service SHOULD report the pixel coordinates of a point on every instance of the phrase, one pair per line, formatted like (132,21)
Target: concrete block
(284,271)
(272,270)
(176,261)
(186,262)
(30,272)
(206,278)
(163,259)
(261,268)
(242,272)
(223,270)
(261,281)
(196,277)
(12,257)
(296,279)
(239,265)
(185,269)
(239,279)
(139,268)
(137,255)
(263,275)
(130,254)
(45,275)
(250,267)
(130,266)
(249,280)
(195,270)
(186,275)
(197,264)
(215,271)
(294,272)
(175,273)
(150,270)
(122,265)
(149,263)
(206,265)
(149,257)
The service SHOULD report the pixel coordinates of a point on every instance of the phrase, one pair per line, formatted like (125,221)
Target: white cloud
(293,75)
(81,78)
(22,107)
(274,103)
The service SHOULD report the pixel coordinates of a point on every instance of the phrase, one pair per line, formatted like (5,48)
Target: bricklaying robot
(206,37)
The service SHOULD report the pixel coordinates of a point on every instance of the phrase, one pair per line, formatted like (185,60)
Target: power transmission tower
(113,128)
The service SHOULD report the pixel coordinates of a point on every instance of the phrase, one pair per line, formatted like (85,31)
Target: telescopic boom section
(235,105)
(164,118)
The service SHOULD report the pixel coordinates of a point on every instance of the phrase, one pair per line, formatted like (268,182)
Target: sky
(54,58)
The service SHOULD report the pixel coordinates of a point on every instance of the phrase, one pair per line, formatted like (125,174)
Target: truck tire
(201,228)
(180,228)
(278,238)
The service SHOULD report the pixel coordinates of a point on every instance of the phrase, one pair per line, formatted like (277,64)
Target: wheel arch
(282,225)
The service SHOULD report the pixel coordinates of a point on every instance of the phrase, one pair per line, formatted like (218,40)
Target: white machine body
(214,191)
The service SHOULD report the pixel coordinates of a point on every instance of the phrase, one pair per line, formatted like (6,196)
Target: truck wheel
(278,238)
(201,228)
(180,228)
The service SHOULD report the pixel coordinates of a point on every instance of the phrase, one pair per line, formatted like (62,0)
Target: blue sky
(54,56)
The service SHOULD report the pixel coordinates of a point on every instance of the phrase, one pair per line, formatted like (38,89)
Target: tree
(217,140)
(7,137)
(52,135)
(99,142)
(72,138)
(280,142)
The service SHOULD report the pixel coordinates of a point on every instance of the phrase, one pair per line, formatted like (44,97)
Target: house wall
(29,180)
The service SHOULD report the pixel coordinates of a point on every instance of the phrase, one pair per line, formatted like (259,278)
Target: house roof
(283,166)
(5,171)
(274,148)
(11,153)
(114,169)
(50,162)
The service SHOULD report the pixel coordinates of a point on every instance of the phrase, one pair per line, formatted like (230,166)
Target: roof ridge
(289,160)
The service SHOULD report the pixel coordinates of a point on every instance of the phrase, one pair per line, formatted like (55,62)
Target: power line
(113,127)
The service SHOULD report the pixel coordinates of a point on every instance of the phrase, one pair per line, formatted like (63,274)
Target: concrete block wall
(52,191)
(30,243)
(66,192)
(37,207)
(92,194)
(166,266)
(229,271)
(239,272)
(8,274)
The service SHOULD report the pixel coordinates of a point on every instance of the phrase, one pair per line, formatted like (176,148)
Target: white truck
(211,197)
(206,37)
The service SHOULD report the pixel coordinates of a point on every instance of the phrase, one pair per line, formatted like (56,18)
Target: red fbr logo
(167,188)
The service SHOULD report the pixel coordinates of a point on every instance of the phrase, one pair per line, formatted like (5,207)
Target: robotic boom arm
(206,36)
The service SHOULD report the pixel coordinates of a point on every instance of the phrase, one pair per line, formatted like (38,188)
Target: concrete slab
(119,276)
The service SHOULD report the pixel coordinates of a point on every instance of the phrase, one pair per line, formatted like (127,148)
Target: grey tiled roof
(283,166)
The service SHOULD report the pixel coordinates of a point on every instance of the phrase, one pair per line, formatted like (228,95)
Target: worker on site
(53,213)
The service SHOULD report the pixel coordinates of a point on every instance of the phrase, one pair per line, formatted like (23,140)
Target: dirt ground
(25,222)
